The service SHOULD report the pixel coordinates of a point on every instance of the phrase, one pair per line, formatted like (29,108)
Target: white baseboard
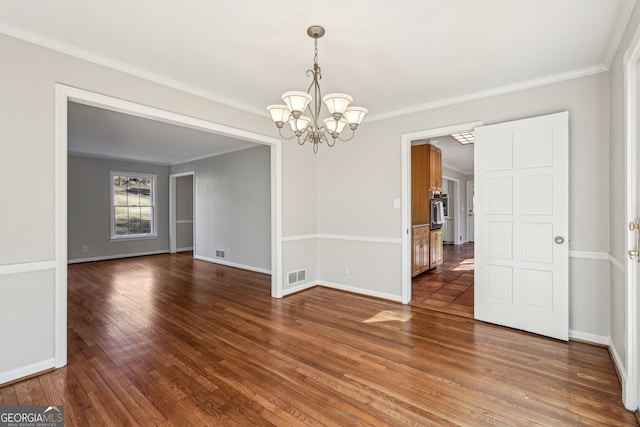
(184,249)
(232,264)
(591,338)
(397,298)
(350,289)
(109,257)
(298,288)
(628,396)
(26,371)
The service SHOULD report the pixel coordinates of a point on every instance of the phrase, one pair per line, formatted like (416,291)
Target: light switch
(396,203)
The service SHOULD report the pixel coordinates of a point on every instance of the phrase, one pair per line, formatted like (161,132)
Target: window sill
(134,237)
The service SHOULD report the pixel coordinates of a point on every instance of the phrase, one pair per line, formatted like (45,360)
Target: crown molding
(125,68)
(625,10)
(555,78)
(116,158)
(156,78)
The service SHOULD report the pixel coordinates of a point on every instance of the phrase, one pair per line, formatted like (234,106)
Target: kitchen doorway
(448,287)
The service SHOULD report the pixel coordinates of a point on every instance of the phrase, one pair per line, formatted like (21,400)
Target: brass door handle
(635,226)
(559,240)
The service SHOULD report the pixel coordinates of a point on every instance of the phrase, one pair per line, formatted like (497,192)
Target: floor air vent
(297,276)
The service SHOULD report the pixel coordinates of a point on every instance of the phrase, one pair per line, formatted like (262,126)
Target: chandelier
(308,129)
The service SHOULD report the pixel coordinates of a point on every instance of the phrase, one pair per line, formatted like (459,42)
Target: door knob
(559,240)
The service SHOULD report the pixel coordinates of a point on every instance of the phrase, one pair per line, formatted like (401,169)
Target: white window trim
(154,228)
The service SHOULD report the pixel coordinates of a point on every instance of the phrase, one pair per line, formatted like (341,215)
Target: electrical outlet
(85,249)
(345,271)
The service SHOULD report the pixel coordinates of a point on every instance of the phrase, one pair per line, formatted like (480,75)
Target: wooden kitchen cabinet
(435,248)
(419,185)
(426,176)
(421,259)
(435,168)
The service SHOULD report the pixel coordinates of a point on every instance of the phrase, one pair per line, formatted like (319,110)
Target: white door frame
(173,209)
(456,205)
(405,157)
(64,94)
(470,206)
(631,62)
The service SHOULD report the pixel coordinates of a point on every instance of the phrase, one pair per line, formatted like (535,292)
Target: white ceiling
(455,156)
(392,57)
(98,132)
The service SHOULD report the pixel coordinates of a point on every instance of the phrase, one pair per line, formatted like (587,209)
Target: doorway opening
(66,94)
(447,286)
(182,199)
(456,211)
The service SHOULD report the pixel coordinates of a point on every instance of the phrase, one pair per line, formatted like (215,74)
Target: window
(133,205)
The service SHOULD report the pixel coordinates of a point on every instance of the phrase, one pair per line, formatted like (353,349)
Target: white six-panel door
(521,225)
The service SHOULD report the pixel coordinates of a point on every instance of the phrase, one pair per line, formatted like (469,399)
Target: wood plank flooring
(170,341)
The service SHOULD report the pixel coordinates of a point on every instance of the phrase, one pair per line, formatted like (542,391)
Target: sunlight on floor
(466,265)
(388,315)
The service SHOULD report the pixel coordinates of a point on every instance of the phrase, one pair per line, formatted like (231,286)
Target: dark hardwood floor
(168,340)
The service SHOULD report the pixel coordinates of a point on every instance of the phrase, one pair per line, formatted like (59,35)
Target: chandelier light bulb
(299,124)
(337,103)
(296,101)
(354,115)
(279,113)
(334,126)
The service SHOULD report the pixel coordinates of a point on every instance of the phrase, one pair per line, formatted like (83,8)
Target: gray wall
(28,264)
(233,207)
(89,209)
(337,206)
(616,193)
(357,182)
(184,212)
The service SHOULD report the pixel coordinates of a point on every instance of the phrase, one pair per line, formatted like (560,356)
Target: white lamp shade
(296,100)
(354,115)
(337,102)
(333,125)
(299,124)
(279,113)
